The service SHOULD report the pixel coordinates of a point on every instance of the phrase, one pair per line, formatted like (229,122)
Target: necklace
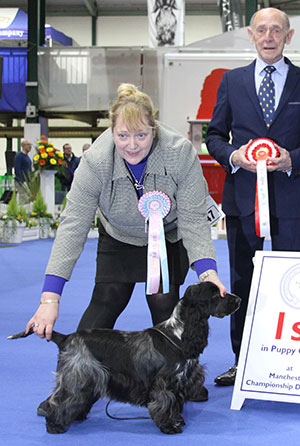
(138,184)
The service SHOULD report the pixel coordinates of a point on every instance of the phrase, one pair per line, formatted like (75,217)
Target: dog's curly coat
(157,368)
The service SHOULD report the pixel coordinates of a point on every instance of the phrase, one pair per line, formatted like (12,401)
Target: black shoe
(227,378)
(43,408)
(200,395)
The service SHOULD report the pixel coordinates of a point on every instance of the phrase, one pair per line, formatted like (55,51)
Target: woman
(135,156)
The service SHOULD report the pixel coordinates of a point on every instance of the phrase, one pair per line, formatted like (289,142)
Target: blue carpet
(26,367)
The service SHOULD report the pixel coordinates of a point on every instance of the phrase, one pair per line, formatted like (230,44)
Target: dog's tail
(57,338)
(21,335)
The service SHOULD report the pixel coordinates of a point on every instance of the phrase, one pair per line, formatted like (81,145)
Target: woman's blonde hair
(133,106)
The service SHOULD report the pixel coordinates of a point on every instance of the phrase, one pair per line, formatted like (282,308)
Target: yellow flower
(49,149)
(41,146)
(36,157)
(53,161)
(60,154)
(44,155)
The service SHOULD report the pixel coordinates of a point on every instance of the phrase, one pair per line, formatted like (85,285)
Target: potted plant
(13,221)
(53,227)
(31,231)
(40,214)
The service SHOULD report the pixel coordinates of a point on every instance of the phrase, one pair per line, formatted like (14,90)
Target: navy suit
(238,111)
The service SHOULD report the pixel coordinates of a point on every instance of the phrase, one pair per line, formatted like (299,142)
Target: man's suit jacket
(238,111)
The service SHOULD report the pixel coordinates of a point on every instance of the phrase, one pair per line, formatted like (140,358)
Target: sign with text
(214,212)
(269,362)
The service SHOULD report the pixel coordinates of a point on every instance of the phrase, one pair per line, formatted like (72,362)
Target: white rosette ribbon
(154,206)
(259,151)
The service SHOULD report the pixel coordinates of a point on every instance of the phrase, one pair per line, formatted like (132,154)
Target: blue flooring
(27,366)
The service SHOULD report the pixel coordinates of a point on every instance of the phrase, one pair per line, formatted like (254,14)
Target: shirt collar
(280,66)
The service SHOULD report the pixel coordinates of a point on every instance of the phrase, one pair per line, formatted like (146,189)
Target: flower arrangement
(48,157)
(31,223)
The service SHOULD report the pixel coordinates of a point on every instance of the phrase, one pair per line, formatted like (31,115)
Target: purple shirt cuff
(203,265)
(54,284)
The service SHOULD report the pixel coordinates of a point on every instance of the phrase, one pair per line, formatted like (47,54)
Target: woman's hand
(44,318)
(212,276)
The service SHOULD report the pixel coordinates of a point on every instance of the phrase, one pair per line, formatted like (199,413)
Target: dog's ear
(206,294)
(195,332)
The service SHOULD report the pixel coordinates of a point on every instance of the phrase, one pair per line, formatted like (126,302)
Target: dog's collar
(167,337)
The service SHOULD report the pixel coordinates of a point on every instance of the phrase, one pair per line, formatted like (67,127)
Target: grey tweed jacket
(103,181)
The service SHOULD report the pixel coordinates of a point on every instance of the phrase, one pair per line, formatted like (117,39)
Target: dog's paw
(181,422)
(53,428)
(172,429)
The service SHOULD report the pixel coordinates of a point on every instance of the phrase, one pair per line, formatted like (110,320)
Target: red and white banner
(166,22)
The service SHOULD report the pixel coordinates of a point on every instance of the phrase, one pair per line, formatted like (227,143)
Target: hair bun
(126,90)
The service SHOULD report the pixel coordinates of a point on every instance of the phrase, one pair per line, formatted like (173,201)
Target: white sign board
(269,362)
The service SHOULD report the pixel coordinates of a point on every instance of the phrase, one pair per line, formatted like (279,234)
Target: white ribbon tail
(164,260)
(153,260)
(263,199)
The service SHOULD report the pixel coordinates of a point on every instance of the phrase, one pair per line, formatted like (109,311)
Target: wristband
(207,273)
(50,301)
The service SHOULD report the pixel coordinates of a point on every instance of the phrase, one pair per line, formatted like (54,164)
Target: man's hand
(282,163)
(239,159)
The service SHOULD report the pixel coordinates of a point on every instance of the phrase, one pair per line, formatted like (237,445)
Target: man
(238,114)
(85,147)
(22,166)
(72,164)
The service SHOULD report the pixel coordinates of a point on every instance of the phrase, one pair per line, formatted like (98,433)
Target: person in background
(23,167)
(135,156)
(72,164)
(85,147)
(243,120)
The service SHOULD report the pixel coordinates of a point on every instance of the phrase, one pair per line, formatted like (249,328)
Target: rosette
(154,206)
(259,151)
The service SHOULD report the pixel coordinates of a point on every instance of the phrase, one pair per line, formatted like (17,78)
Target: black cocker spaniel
(157,368)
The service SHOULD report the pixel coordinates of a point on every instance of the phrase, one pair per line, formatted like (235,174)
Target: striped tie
(266,95)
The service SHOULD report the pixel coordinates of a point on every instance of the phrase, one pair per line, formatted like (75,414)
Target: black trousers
(110,299)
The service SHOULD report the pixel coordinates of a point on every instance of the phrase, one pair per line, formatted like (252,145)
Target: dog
(156,368)
(165,22)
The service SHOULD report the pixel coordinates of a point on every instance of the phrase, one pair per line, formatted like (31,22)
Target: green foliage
(39,207)
(32,185)
(14,215)
(12,210)
(64,203)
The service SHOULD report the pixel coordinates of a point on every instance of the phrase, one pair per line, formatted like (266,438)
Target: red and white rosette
(154,206)
(259,150)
